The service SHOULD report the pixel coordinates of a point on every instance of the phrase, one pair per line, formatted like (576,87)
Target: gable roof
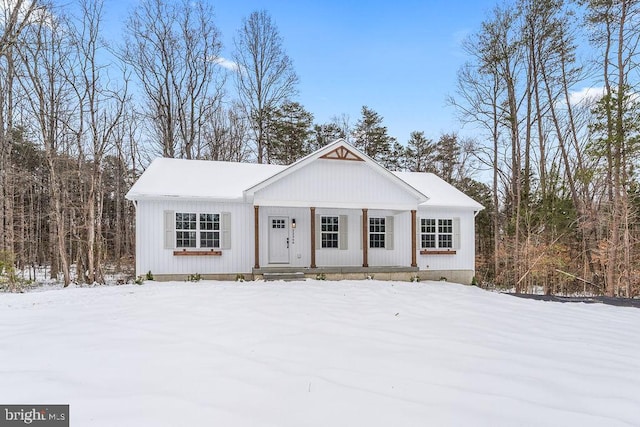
(441,193)
(230,181)
(339,150)
(199,179)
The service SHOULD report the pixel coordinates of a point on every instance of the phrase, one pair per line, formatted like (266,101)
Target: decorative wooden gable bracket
(341,153)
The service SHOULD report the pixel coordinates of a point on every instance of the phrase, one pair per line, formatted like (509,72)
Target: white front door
(278,240)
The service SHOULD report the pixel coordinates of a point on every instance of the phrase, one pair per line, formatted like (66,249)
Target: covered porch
(328,240)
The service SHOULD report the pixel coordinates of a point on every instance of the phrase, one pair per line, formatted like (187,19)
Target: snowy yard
(351,353)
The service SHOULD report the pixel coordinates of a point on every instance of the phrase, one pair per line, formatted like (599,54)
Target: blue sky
(398,58)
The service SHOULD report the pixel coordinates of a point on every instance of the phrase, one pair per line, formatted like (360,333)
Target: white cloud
(586,95)
(225,63)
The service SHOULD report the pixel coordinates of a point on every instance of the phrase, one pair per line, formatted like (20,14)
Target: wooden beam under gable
(342,153)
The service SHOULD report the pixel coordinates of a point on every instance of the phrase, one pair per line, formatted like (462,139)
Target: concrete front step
(288,276)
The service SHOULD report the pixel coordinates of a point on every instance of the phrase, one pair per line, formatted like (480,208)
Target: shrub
(149,276)
(9,280)
(194,277)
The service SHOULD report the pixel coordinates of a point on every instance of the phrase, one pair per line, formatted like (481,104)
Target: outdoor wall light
(293,223)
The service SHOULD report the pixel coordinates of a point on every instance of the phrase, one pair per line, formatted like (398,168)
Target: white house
(335,212)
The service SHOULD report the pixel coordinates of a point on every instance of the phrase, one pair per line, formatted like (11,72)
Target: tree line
(81,116)
(563,170)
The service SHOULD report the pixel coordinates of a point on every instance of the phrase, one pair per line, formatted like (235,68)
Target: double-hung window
(436,233)
(445,233)
(209,230)
(197,230)
(428,233)
(377,229)
(329,229)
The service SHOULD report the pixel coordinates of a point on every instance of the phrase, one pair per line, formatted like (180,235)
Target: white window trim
(383,233)
(336,232)
(437,234)
(198,230)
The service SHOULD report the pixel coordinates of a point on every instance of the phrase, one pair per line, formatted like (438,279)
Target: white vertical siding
(352,256)
(337,183)
(401,253)
(152,256)
(464,259)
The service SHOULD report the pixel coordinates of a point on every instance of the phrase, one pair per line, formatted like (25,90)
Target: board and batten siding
(464,259)
(337,184)
(352,254)
(153,255)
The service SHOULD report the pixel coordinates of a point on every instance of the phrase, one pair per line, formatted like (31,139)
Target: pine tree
(371,137)
(447,157)
(289,132)
(420,153)
(325,134)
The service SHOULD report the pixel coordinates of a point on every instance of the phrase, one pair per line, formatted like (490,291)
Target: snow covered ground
(315,353)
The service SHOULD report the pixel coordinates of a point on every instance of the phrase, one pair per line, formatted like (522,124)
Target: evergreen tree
(289,132)
(420,153)
(397,161)
(371,137)
(447,157)
(325,134)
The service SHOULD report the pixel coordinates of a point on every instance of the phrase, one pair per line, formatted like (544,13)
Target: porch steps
(286,276)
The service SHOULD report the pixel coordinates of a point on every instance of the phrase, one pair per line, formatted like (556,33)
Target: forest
(553,163)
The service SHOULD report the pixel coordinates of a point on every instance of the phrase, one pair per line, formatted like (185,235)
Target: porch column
(414,262)
(256,228)
(365,238)
(313,237)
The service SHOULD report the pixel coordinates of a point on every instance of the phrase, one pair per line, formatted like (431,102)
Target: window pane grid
(186,239)
(445,226)
(192,228)
(209,239)
(329,232)
(445,241)
(376,232)
(329,240)
(436,233)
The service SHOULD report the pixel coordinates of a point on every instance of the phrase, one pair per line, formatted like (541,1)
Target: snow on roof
(206,179)
(199,179)
(321,152)
(439,191)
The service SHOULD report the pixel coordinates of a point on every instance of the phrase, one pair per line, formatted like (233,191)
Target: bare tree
(17,15)
(265,76)
(173,49)
(614,29)
(101,107)
(44,55)
(225,135)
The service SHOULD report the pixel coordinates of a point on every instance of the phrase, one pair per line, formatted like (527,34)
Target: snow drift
(351,353)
